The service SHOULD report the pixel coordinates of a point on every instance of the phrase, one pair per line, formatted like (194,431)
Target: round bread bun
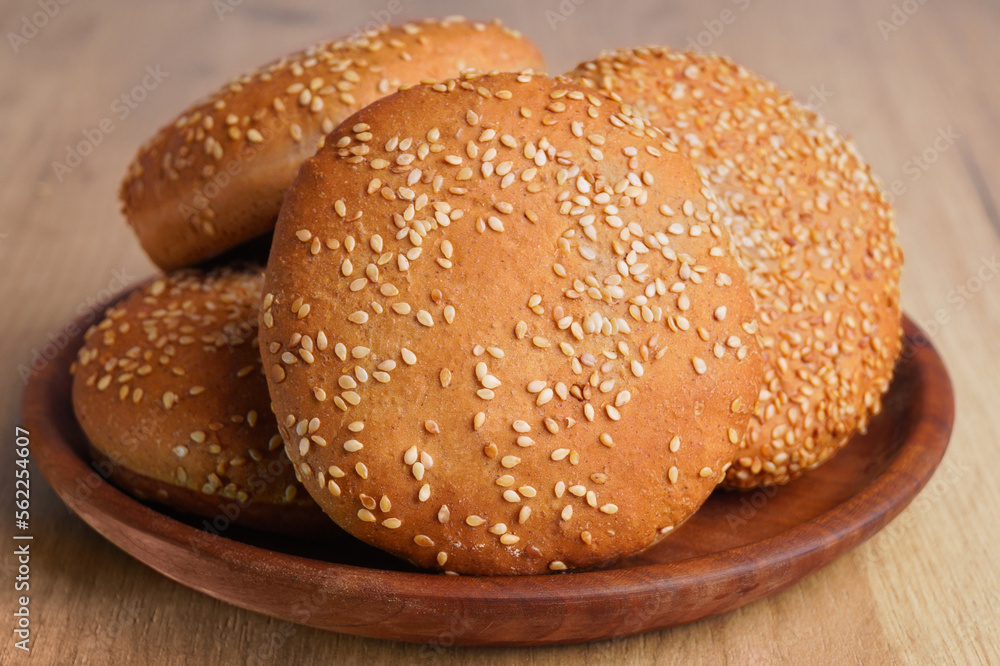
(814,231)
(510,338)
(169,390)
(214,177)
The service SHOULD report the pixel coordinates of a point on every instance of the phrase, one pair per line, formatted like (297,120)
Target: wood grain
(924,590)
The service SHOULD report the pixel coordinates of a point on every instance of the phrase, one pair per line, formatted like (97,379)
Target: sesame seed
(510,462)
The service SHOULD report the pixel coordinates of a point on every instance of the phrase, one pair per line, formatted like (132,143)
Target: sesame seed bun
(168,387)
(510,336)
(812,228)
(214,177)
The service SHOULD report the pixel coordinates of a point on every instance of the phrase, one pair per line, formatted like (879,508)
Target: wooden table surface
(916,83)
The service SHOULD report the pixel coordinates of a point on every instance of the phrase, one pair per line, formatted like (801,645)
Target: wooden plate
(738,548)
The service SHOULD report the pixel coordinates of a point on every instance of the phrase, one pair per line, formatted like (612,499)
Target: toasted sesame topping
(619,317)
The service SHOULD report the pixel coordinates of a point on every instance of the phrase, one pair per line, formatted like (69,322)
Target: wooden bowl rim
(867,511)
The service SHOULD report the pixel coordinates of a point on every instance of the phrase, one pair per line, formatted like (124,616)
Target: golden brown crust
(814,231)
(168,387)
(215,176)
(510,337)
(293,518)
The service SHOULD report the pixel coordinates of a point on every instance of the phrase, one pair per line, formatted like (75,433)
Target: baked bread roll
(814,231)
(168,389)
(214,177)
(508,337)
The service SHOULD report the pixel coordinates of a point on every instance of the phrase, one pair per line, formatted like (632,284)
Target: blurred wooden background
(917,83)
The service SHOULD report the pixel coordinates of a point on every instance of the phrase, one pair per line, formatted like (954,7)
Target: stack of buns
(509,323)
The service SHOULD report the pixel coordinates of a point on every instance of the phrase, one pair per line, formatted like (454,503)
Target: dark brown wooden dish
(738,548)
